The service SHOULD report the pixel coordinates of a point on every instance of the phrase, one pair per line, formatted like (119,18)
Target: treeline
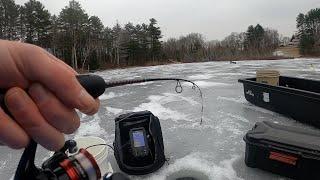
(309,32)
(257,42)
(84,42)
(78,38)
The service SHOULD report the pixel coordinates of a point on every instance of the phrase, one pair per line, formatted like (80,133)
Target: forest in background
(82,40)
(308,26)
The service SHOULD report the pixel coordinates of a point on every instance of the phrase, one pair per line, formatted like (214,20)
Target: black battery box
(288,151)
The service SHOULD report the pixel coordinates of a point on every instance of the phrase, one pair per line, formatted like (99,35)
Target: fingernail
(86,102)
(38,93)
(15,100)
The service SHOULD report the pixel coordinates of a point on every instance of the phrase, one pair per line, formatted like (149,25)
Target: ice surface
(157,106)
(111,95)
(206,84)
(91,128)
(200,76)
(115,111)
(197,165)
(213,150)
(240,99)
(228,74)
(3,164)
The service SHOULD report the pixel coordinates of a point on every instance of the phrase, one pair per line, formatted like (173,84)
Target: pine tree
(309,32)
(73,22)
(54,35)
(36,20)
(155,36)
(254,40)
(9,20)
(301,24)
(116,39)
(108,44)
(259,35)
(93,46)
(250,38)
(144,43)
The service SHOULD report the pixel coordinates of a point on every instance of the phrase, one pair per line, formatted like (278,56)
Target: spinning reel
(80,165)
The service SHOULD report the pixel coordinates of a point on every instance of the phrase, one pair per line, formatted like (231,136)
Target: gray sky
(215,19)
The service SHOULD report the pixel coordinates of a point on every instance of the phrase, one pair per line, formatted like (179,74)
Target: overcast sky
(215,19)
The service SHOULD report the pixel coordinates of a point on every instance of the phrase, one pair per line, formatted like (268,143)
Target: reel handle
(26,168)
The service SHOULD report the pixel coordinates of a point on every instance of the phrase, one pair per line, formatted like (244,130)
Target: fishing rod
(95,85)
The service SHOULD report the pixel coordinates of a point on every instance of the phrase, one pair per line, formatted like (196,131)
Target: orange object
(288,159)
(68,167)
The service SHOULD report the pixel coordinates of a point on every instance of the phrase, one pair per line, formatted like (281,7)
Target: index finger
(37,66)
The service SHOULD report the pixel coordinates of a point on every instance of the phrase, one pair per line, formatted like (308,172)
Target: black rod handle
(94,84)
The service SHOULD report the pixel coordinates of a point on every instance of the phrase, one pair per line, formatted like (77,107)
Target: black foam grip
(94,84)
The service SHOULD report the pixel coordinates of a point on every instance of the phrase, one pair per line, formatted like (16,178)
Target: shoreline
(231,60)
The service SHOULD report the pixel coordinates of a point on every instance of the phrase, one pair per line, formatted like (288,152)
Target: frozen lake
(215,148)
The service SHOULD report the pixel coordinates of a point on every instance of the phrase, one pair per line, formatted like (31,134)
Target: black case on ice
(288,151)
(123,150)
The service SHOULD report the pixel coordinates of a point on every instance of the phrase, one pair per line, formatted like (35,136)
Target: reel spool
(98,149)
(81,166)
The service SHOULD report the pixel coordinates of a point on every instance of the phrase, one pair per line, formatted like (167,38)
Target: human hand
(42,95)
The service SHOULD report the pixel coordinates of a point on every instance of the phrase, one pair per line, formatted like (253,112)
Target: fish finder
(139,142)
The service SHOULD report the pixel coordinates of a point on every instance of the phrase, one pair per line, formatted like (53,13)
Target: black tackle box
(288,151)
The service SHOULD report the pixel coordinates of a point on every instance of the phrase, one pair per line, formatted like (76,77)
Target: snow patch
(206,84)
(197,166)
(195,125)
(115,111)
(3,164)
(83,115)
(144,84)
(111,95)
(237,117)
(251,73)
(200,76)
(80,114)
(278,53)
(228,74)
(226,124)
(156,105)
(91,128)
(259,109)
(179,97)
(227,128)
(240,100)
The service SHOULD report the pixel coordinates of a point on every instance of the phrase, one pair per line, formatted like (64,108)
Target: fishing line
(178,88)
(95,145)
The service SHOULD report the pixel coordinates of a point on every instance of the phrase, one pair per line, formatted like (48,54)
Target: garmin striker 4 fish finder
(138,143)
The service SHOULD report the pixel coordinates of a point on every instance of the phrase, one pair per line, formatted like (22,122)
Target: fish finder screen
(138,139)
